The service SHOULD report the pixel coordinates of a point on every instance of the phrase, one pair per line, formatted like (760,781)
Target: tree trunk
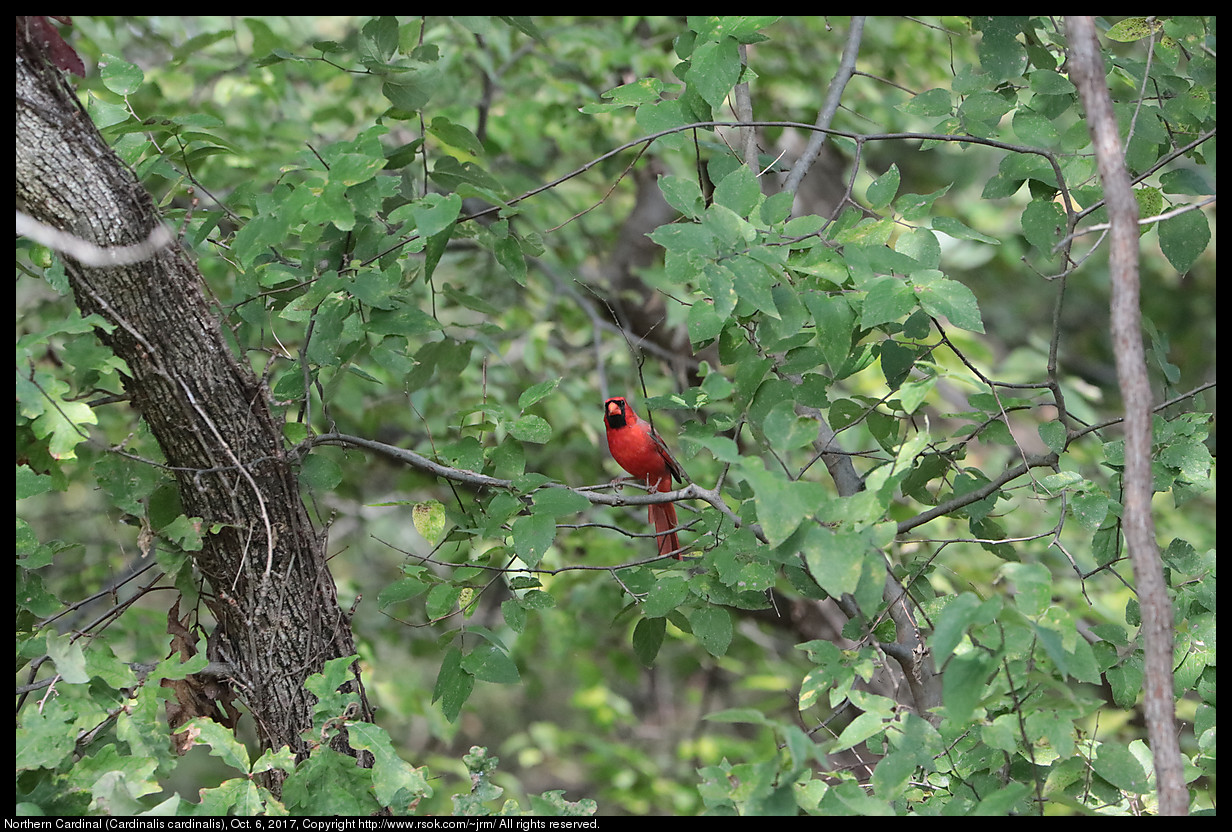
(277,612)
(1137,523)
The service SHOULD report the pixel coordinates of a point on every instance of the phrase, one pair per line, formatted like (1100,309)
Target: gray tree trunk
(274,600)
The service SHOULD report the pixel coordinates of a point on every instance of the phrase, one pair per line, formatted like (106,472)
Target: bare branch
(834,96)
(86,252)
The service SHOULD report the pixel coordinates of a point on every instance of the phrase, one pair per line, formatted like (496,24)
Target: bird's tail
(663,516)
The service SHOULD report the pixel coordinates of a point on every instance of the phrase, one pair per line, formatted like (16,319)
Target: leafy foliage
(406,224)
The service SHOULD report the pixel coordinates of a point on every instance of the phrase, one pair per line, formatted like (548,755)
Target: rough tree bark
(274,600)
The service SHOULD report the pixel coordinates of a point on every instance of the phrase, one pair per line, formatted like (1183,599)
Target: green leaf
(911,394)
(1186,181)
(394,780)
(353,168)
(1049,82)
(30,484)
(329,783)
(1001,54)
(379,39)
(981,111)
(222,742)
(868,233)
(401,590)
(1036,130)
(1150,204)
(684,237)
(61,422)
(1032,583)
(712,626)
(530,428)
(781,503)
(729,229)
(433,213)
(667,594)
(738,716)
(887,299)
(739,191)
(932,103)
(963,683)
(1043,224)
(457,140)
(65,652)
(532,535)
(633,94)
(1054,435)
(714,68)
(325,685)
(704,324)
(896,362)
(945,298)
(559,502)
(1003,801)
(409,93)
(961,613)
(508,253)
(1090,508)
(683,194)
(961,231)
(863,727)
(883,189)
(1131,29)
(454,175)
(453,685)
(744,28)
(1183,238)
(435,249)
(892,774)
(1118,765)
(429,520)
(442,600)
(785,430)
(537,393)
(648,638)
(524,24)
(490,664)
(119,76)
(834,559)
(320,473)
(656,116)
(185,532)
(44,737)
(834,322)
(754,284)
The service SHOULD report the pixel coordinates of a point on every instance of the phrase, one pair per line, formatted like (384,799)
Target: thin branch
(834,97)
(988,488)
(693,491)
(1166,215)
(1052,158)
(86,252)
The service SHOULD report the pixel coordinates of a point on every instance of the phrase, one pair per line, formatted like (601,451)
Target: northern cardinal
(639,449)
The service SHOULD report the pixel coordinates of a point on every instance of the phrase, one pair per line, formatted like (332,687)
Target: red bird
(639,449)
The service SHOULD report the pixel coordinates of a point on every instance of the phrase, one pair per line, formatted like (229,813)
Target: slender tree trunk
(1137,524)
(277,612)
